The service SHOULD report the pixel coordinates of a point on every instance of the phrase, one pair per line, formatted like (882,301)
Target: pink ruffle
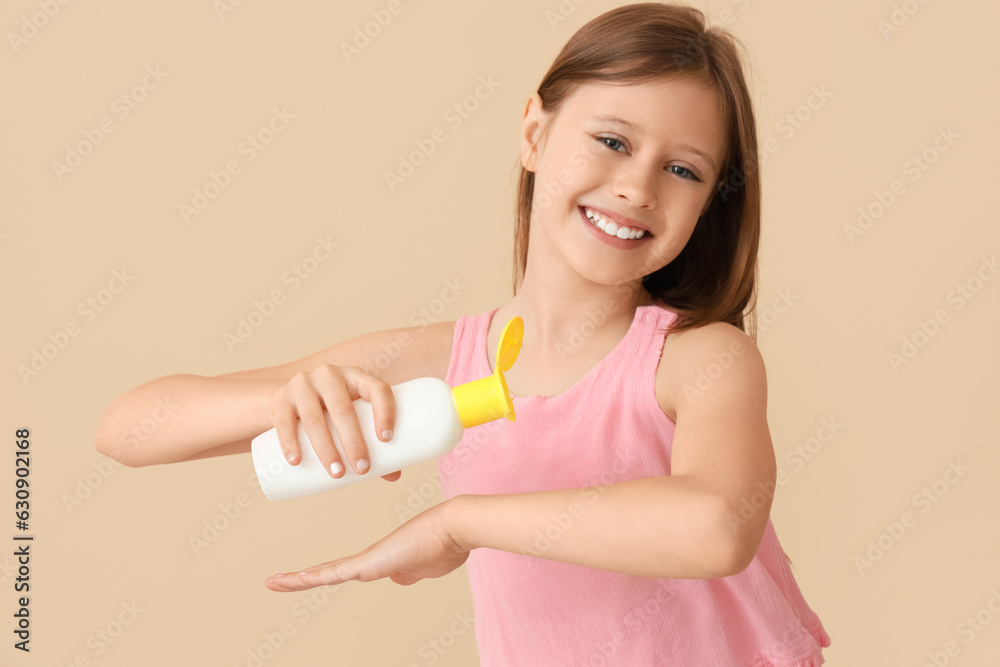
(812,660)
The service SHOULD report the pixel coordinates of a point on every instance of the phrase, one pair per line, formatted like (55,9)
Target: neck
(554,315)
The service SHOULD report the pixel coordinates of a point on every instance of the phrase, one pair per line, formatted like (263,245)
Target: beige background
(125,538)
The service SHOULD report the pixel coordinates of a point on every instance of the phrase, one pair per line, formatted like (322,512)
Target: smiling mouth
(611,228)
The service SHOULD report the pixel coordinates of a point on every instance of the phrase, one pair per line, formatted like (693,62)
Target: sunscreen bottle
(430,420)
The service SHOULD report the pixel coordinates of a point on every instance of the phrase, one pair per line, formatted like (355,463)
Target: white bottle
(430,420)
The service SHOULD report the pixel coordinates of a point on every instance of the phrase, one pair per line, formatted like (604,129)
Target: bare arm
(182,417)
(686,525)
(186,417)
(652,527)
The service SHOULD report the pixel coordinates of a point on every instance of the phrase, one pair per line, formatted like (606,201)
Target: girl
(623,519)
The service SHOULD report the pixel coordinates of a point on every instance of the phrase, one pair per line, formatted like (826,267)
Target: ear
(530,131)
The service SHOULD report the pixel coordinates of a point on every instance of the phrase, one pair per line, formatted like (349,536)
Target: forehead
(664,110)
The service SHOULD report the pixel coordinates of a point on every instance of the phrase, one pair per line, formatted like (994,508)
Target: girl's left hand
(421,547)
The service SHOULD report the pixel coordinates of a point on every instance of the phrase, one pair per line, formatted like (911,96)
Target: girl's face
(645,154)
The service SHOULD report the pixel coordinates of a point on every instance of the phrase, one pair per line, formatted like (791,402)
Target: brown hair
(714,277)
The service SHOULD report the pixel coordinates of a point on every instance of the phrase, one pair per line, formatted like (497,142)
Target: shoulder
(717,355)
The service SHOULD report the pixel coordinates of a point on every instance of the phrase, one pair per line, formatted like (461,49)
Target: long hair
(715,275)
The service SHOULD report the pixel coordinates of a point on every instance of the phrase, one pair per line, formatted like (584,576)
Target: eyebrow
(629,125)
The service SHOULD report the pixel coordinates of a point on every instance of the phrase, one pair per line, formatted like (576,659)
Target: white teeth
(612,228)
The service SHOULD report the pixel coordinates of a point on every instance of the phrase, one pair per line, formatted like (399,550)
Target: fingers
(313,417)
(299,581)
(331,389)
(326,574)
(288,581)
(333,385)
(377,392)
(285,421)
(339,388)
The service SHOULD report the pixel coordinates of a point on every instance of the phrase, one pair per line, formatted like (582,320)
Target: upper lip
(619,219)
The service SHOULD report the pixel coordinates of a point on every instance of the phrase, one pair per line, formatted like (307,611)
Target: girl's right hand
(303,398)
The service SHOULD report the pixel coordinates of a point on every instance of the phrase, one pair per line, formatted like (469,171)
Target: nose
(635,181)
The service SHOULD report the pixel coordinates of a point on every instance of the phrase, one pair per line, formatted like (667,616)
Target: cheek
(579,164)
(681,223)
(679,236)
(684,206)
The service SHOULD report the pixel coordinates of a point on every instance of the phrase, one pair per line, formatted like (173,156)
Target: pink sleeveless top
(532,611)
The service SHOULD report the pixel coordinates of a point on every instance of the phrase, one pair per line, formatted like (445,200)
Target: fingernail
(386,434)
(290,456)
(277,576)
(336,467)
(362,464)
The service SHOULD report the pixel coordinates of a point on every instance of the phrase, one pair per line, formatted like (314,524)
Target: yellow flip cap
(487,399)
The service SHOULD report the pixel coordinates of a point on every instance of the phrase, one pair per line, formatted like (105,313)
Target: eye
(691,173)
(611,143)
(604,141)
